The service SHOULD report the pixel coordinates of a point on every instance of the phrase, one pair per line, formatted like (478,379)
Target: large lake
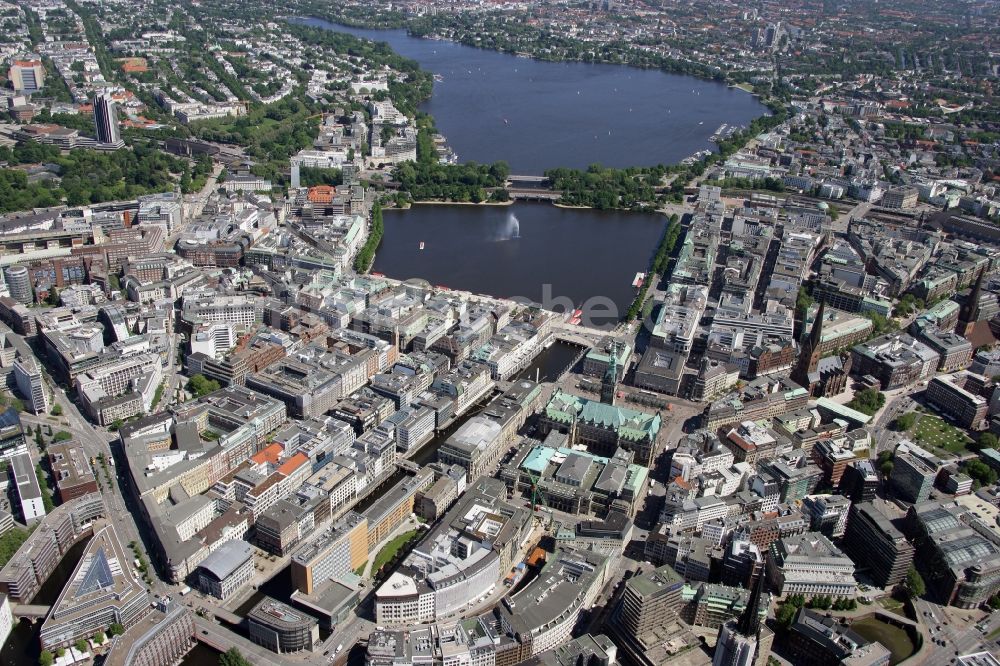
(538,115)
(558,257)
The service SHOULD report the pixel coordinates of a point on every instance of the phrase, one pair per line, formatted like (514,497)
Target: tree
(43,484)
(981,473)
(201,385)
(905,421)
(233,657)
(57,410)
(81,646)
(46,658)
(867,401)
(885,463)
(786,614)
(987,441)
(116,629)
(914,585)
(99,638)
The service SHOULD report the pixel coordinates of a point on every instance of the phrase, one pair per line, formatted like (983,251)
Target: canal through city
(22,646)
(537,115)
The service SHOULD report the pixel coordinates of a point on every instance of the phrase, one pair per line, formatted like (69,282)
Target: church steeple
(809,353)
(967,316)
(749,622)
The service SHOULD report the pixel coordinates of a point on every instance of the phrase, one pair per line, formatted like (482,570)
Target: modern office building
(19,284)
(12,434)
(876,546)
(71,471)
(281,628)
(103,590)
(895,359)
(956,549)
(710,605)
(29,494)
(330,553)
(913,472)
(226,570)
(548,608)
(859,482)
(106,120)
(120,389)
(162,638)
(650,600)
(31,385)
(464,557)
(22,577)
(958,396)
(827,514)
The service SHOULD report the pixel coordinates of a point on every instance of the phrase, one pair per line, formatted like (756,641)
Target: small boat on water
(506,122)
(421,245)
(701,122)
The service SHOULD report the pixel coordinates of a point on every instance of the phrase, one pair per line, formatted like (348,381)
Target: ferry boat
(421,245)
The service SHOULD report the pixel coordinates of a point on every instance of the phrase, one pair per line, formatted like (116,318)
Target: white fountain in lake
(512,229)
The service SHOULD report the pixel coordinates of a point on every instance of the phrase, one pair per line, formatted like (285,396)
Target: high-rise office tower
(106,119)
(19,284)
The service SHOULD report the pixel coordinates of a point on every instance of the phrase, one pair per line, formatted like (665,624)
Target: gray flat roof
(227,559)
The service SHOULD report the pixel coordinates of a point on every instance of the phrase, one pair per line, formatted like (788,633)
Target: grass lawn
(390,549)
(892,605)
(939,435)
(745,86)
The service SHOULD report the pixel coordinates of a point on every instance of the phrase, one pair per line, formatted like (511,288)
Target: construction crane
(537,498)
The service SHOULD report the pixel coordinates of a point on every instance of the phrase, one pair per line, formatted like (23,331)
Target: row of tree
(658,265)
(428,180)
(605,188)
(366,255)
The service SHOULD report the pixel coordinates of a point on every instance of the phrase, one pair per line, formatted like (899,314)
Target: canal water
(22,646)
(898,642)
(551,363)
(201,655)
(537,115)
(560,257)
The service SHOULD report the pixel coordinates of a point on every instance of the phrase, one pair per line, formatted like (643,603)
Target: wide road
(94,442)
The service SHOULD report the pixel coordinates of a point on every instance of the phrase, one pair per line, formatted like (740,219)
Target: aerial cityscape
(461,333)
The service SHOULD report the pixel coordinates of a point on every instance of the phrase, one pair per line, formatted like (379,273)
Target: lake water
(538,115)
(562,258)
